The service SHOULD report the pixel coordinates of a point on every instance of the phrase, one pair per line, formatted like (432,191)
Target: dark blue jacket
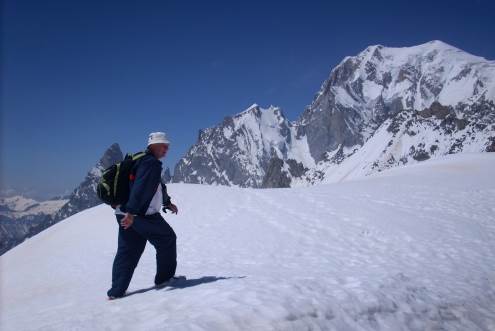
(148,172)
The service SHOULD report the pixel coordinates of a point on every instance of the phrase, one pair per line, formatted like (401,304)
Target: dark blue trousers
(131,245)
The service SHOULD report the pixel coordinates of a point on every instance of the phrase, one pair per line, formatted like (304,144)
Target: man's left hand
(173,208)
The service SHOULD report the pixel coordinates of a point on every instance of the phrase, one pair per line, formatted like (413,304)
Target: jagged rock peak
(110,156)
(84,196)
(258,111)
(166,177)
(237,151)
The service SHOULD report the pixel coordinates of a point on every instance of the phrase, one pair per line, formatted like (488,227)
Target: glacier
(409,248)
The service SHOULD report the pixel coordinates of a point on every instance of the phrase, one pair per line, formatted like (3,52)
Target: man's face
(159,150)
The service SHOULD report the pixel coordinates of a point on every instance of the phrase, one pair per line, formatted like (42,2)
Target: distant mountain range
(21,217)
(383,108)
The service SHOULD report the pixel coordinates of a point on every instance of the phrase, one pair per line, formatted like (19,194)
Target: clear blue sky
(78,76)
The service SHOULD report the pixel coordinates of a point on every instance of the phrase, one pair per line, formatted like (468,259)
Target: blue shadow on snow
(181,284)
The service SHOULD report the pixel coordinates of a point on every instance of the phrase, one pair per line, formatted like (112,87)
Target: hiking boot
(171,281)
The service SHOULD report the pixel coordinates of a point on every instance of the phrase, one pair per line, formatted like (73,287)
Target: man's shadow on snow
(183,283)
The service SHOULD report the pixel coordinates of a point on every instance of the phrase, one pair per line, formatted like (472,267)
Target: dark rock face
(15,231)
(296,169)
(275,175)
(437,110)
(419,154)
(326,130)
(111,156)
(342,73)
(491,145)
(166,177)
(280,173)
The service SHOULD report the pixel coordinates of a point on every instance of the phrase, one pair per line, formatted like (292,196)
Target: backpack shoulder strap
(135,159)
(138,155)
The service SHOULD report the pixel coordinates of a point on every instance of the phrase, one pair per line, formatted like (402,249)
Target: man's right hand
(127,221)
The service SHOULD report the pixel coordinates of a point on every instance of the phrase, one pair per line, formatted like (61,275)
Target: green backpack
(113,187)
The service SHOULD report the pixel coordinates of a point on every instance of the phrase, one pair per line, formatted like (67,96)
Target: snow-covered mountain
(238,151)
(417,254)
(415,102)
(20,206)
(21,216)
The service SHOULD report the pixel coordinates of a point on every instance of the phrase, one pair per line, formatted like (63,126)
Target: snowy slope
(412,248)
(405,139)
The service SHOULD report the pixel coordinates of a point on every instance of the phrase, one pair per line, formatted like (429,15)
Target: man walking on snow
(140,221)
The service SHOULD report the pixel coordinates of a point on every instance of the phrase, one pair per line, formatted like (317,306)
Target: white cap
(158,138)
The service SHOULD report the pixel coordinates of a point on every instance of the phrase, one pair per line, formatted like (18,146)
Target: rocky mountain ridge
(382,108)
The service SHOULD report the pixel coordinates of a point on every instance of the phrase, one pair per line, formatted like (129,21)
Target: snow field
(411,248)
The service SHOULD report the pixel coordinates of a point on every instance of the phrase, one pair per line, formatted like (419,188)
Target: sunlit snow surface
(411,248)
